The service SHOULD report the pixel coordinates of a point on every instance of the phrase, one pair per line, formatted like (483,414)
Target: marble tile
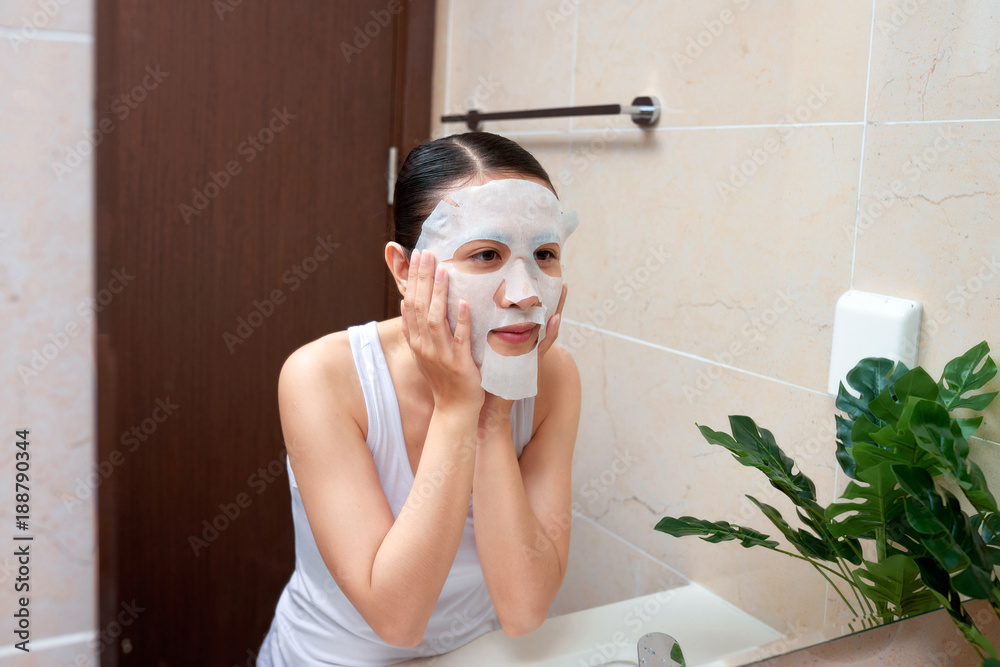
(441,72)
(930,233)
(511,56)
(669,252)
(603,569)
(68,650)
(640,457)
(552,151)
(29,16)
(935,61)
(724,62)
(46,287)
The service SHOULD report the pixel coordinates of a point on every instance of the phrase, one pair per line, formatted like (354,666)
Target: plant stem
(819,567)
(825,534)
(814,563)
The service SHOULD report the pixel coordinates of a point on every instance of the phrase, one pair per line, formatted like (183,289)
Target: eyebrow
(491,235)
(542,239)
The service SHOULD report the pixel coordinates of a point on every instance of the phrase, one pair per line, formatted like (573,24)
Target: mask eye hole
(481,256)
(486,256)
(547,258)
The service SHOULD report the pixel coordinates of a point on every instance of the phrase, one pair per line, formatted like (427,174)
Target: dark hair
(433,168)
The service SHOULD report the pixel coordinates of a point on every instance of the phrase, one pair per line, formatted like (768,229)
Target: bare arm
(522,508)
(392,571)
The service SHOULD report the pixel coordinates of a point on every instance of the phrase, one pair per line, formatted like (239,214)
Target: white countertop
(707,627)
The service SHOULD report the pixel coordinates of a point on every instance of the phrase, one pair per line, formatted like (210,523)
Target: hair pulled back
(433,168)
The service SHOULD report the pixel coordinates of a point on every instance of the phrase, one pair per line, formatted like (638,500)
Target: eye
(546,255)
(486,256)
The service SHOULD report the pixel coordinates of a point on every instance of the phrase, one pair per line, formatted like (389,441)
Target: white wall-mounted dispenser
(872,325)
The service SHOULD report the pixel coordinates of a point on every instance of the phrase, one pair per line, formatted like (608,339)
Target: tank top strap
(385,429)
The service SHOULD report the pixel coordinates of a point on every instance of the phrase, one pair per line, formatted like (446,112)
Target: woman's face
(502,243)
(492,256)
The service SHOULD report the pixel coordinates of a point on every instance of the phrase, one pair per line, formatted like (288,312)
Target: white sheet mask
(524,216)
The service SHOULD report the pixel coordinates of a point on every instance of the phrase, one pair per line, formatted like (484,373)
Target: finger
(552,326)
(437,314)
(463,328)
(409,295)
(422,299)
(406,329)
(551,332)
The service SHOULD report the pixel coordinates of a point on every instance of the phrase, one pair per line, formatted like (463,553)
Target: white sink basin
(707,627)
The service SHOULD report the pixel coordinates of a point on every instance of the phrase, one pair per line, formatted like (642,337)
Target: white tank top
(315,623)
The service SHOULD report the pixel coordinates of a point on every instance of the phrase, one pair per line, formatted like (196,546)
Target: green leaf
(946,532)
(896,447)
(888,405)
(936,433)
(676,655)
(845,445)
(917,383)
(989,529)
(896,582)
(969,426)
(960,376)
(714,531)
(882,503)
(756,448)
(869,378)
(977,402)
(808,544)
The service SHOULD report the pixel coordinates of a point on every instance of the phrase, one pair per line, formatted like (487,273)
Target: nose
(518,289)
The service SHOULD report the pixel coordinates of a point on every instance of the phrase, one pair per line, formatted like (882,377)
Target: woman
(394,445)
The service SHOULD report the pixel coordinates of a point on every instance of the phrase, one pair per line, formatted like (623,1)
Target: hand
(552,327)
(445,358)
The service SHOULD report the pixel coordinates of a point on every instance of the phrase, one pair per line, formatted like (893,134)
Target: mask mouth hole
(514,344)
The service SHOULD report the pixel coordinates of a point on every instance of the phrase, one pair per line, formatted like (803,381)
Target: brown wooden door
(242,203)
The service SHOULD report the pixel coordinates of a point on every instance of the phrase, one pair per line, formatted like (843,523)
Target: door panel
(242,197)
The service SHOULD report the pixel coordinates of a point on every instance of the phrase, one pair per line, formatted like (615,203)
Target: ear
(396,258)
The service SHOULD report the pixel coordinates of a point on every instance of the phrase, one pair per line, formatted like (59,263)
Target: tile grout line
(446,107)
(932,122)
(688,355)
(572,64)
(864,132)
(678,128)
(857,228)
(48,35)
(633,546)
(46,643)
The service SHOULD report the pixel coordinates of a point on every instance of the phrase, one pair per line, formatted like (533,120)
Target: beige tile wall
(697,291)
(46,289)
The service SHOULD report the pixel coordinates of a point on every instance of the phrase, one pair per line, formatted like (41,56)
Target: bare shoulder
(321,377)
(558,383)
(318,365)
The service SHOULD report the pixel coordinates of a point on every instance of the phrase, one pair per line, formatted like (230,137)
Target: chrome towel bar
(645,111)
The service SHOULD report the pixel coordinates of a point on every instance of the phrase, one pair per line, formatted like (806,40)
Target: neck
(409,382)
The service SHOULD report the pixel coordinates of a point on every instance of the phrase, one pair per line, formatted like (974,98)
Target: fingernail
(439,274)
(425,259)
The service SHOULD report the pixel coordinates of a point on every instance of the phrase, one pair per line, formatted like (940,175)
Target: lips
(515,334)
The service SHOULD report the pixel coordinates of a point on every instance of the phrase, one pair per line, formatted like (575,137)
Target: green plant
(906,450)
